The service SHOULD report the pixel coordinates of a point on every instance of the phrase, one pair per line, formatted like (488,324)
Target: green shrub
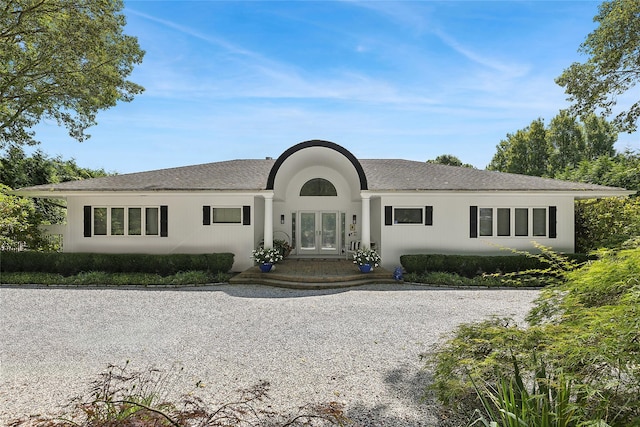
(453,279)
(68,264)
(606,223)
(99,278)
(476,265)
(583,330)
(21,278)
(542,401)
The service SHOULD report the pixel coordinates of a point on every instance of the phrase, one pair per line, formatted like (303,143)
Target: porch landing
(313,274)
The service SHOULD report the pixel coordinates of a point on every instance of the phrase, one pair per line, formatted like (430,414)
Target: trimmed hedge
(68,264)
(474,265)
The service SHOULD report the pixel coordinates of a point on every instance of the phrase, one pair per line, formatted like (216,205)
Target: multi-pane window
(537,222)
(121,221)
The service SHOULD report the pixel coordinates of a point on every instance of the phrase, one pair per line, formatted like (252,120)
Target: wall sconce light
(282,219)
(354,219)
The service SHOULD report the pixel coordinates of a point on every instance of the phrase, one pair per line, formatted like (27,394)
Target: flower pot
(266,267)
(365,268)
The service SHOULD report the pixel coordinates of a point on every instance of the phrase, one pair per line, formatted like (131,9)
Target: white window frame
(232,224)
(408,224)
(143,221)
(107,219)
(512,222)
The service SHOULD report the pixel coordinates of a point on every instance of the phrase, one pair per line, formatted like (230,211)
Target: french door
(319,234)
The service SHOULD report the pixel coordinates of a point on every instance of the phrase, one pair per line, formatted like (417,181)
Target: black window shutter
(473,222)
(553,229)
(428,215)
(87,221)
(246,215)
(206,215)
(388,215)
(164,221)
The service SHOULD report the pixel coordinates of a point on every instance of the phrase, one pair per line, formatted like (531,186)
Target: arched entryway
(317,197)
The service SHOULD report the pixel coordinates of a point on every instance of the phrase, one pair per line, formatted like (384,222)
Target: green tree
(558,150)
(621,170)
(450,160)
(63,60)
(613,66)
(567,142)
(606,223)
(525,152)
(539,149)
(19,223)
(600,137)
(18,170)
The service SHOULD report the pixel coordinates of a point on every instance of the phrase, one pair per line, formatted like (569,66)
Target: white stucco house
(320,198)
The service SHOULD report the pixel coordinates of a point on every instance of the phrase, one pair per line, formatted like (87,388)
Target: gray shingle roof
(382,174)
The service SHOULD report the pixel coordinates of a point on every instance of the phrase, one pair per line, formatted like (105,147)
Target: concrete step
(313,274)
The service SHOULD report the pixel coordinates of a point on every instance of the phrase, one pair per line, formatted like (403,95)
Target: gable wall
(450,232)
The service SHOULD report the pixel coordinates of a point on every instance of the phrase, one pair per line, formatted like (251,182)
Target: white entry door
(319,233)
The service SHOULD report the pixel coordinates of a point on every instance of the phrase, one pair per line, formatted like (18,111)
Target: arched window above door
(318,187)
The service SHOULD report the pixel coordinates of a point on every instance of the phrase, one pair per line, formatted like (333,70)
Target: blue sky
(248,79)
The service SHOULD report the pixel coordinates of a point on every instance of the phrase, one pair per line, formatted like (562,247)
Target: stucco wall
(448,234)
(186,232)
(451,223)
(290,201)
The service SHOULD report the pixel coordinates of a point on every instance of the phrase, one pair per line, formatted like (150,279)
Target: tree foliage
(525,152)
(566,140)
(17,170)
(556,150)
(606,223)
(449,160)
(613,66)
(583,332)
(19,223)
(63,60)
(621,170)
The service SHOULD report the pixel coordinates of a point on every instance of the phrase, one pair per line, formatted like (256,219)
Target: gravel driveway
(358,346)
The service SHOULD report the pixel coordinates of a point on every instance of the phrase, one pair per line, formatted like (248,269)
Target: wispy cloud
(230,47)
(263,77)
(418,17)
(508,70)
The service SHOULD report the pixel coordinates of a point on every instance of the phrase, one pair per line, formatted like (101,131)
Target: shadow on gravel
(262,291)
(253,291)
(246,291)
(408,384)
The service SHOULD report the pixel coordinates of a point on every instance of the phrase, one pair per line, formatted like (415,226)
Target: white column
(365,238)
(268,220)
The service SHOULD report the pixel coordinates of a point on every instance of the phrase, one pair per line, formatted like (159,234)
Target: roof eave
(55,193)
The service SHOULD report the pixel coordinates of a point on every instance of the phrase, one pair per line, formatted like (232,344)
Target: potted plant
(366,259)
(283,246)
(265,258)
